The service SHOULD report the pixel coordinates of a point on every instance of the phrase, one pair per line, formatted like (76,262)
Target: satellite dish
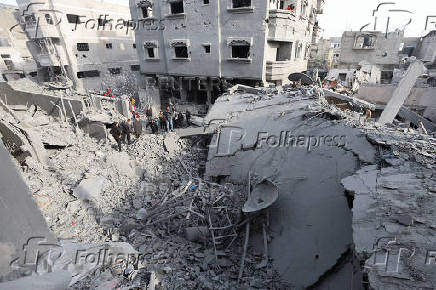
(263,196)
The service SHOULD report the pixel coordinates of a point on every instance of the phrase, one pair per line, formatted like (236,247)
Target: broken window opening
(83,47)
(207,48)
(386,77)
(177,7)
(72,18)
(365,41)
(30,20)
(115,70)
(240,51)
(206,2)
(241,3)
(134,45)
(298,50)
(109,45)
(181,51)
(9,64)
(342,77)
(284,52)
(49,19)
(144,11)
(6,56)
(88,74)
(150,52)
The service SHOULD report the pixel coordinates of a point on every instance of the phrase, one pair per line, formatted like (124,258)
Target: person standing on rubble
(137,127)
(126,128)
(116,133)
(149,113)
(169,119)
(162,120)
(188,117)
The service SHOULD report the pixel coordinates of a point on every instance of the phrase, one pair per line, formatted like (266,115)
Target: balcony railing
(279,24)
(277,70)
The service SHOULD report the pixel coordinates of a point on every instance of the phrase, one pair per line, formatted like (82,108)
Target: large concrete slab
(20,217)
(401,93)
(310,223)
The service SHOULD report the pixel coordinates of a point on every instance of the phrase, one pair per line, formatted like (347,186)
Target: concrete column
(209,91)
(401,93)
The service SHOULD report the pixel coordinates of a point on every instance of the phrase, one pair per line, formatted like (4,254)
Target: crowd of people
(166,121)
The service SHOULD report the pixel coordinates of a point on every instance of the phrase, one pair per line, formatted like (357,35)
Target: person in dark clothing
(180,120)
(116,133)
(162,120)
(188,117)
(137,127)
(169,116)
(149,113)
(126,129)
(155,126)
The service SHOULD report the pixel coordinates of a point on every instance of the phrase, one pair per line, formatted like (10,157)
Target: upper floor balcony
(281,25)
(277,70)
(320,6)
(37,30)
(48,60)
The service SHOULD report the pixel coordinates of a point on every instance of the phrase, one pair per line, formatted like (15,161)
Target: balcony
(320,6)
(277,70)
(48,60)
(281,25)
(44,31)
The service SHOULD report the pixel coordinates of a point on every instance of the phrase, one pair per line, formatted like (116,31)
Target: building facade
(15,58)
(88,45)
(201,41)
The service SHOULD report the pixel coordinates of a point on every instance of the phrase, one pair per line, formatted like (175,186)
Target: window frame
(151,45)
(82,44)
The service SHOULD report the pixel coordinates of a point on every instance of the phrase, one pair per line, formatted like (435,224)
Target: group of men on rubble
(166,121)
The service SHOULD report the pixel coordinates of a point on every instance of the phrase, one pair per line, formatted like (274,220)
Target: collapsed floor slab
(270,136)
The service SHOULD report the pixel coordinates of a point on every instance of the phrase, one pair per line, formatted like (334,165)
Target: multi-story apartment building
(81,43)
(15,59)
(251,41)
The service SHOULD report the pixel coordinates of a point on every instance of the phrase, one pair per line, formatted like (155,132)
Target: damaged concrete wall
(20,217)
(384,51)
(45,102)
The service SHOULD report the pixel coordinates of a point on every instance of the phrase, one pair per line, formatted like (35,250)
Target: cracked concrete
(311,221)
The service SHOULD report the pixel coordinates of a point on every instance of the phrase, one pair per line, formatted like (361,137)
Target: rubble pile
(151,195)
(179,204)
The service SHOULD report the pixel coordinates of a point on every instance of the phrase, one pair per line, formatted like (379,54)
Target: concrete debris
(326,183)
(50,281)
(401,93)
(89,189)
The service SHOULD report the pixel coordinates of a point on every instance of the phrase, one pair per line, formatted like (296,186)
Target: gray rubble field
(350,192)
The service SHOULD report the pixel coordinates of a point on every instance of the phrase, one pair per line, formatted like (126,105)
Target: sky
(341,15)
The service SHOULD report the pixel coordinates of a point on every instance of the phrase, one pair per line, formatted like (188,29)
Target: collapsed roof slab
(401,93)
(310,223)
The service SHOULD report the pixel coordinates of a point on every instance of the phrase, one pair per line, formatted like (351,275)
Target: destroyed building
(187,47)
(15,58)
(370,47)
(321,56)
(290,186)
(82,44)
